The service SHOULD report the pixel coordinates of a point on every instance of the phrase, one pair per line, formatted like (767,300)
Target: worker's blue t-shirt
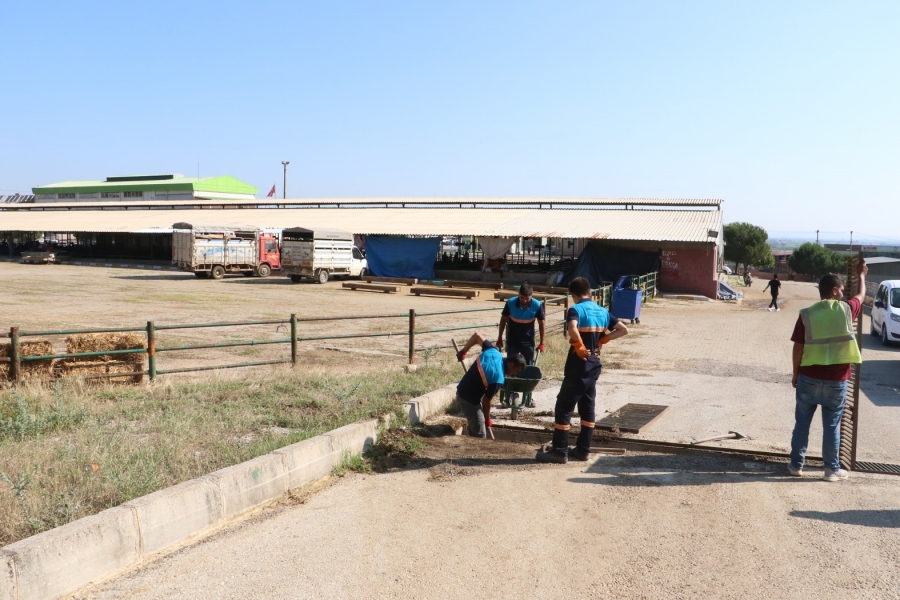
(484,377)
(593,323)
(520,323)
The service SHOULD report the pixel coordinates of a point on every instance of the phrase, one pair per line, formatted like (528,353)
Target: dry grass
(32,369)
(97,342)
(72,449)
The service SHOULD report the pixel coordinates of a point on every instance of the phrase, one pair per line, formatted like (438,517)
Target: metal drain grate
(873,467)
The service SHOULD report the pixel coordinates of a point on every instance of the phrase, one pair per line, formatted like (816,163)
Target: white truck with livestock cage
(320,254)
(211,251)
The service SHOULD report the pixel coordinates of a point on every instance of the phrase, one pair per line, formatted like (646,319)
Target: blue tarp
(390,256)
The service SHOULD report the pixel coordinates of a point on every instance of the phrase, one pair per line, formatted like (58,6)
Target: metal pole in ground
(15,360)
(294,339)
(412,336)
(151,350)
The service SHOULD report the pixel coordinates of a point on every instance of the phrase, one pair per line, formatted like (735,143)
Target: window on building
(134,194)
(109,195)
(66,196)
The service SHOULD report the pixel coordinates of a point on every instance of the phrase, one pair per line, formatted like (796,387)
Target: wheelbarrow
(504,396)
(522,385)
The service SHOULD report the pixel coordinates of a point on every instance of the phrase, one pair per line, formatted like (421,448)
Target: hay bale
(74,368)
(32,369)
(97,342)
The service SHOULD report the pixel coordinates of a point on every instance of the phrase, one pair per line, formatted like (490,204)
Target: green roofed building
(146,188)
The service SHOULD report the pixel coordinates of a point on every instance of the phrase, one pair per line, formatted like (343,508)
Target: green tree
(815,260)
(747,244)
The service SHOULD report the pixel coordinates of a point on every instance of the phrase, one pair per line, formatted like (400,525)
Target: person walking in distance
(774,285)
(825,346)
(588,326)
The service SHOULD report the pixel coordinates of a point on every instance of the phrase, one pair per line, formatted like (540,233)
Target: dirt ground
(474,518)
(479,518)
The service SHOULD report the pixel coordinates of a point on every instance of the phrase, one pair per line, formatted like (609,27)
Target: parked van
(886,312)
(320,254)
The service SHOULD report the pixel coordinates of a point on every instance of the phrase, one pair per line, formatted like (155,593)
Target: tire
(296,279)
(322,276)
(885,340)
(264,270)
(218,272)
(201,274)
(364,272)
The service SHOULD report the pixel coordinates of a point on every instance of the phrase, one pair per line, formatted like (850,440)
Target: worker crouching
(481,382)
(588,327)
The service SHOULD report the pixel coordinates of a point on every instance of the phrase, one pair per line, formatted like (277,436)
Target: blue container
(626,303)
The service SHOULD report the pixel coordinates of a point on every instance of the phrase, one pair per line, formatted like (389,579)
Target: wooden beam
(403,280)
(372,287)
(479,285)
(507,294)
(437,291)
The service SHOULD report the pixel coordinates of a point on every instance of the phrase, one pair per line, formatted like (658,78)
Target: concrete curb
(686,297)
(61,561)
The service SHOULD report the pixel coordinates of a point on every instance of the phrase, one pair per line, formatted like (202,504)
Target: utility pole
(851,241)
(284,187)
(817,237)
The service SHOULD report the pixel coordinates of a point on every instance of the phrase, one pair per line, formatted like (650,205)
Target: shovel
(732,435)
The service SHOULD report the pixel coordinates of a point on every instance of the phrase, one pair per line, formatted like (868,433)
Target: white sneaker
(777,310)
(838,475)
(795,471)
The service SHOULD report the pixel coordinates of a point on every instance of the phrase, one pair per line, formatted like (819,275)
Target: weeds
(352,463)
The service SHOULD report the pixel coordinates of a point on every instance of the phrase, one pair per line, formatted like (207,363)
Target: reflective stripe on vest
(521,315)
(591,318)
(829,338)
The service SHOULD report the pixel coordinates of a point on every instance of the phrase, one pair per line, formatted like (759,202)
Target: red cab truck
(211,251)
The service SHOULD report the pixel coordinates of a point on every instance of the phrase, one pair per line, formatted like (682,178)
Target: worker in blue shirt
(481,382)
(520,312)
(588,326)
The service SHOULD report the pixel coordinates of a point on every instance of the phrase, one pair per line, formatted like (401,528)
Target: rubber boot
(558,454)
(582,449)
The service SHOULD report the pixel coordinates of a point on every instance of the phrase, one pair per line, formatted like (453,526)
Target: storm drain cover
(873,467)
(632,418)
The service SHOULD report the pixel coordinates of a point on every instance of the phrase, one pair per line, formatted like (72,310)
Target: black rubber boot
(554,456)
(576,453)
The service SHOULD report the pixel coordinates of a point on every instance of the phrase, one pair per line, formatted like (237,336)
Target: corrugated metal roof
(880,260)
(650,225)
(523,202)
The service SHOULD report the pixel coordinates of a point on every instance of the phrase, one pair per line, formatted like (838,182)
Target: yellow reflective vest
(830,339)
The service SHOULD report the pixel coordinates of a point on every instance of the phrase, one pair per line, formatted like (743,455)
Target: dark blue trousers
(579,389)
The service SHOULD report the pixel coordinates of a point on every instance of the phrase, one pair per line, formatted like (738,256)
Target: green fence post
(15,361)
(151,350)
(412,336)
(294,340)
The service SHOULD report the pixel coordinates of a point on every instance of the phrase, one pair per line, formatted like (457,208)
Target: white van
(320,254)
(886,312)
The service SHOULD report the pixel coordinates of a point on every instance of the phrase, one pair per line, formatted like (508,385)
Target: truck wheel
(322,276)
(264,270)
(363,273)
(201,274)
(296,278)
(218,272)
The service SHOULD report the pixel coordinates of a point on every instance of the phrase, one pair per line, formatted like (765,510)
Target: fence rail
(153,350)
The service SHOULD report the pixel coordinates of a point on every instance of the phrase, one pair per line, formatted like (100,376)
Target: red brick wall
(689,271)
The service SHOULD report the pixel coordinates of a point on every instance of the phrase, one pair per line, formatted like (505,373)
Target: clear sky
(787,110)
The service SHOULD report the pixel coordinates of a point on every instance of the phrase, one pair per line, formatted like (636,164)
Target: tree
(747,244)
(813,259)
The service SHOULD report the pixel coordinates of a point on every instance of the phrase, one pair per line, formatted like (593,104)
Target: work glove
(489,422)
(541,347)
(604,340)
(499,343)
(580,349)
(460,356)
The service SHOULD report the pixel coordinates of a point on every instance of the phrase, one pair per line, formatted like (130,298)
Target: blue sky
(789,111)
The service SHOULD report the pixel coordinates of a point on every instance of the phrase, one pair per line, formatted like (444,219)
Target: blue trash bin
(626,303)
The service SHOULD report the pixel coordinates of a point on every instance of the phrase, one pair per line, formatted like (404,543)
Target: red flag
(271,192)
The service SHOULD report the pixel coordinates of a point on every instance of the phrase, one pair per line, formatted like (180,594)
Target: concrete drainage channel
(61,561)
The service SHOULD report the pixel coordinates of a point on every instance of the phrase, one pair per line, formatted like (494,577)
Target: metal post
(294,339)
(151,350)
(15,361)
(412,336)
(565,312)
(284,187)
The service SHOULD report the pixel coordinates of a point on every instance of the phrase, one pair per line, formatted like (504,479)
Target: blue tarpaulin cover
(390,256)
(599,263)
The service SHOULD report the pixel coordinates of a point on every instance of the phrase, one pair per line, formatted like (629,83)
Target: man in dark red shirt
(821,368)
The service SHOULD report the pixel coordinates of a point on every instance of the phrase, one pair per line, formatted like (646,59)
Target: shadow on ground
(867,518)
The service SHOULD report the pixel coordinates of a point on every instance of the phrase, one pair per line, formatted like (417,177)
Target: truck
(319,254)
(211,251)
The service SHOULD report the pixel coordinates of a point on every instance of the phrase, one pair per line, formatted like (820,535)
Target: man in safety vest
(482,381)
(520,312)
(825,346)
(588,326)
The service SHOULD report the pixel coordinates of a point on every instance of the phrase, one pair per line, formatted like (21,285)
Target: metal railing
(153,350)
(647,283)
